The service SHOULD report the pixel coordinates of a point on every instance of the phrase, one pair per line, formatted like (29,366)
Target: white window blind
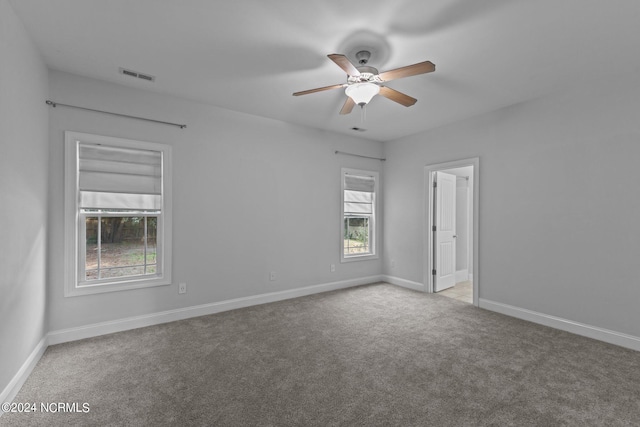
(119,178)
(358,194)
(359,183)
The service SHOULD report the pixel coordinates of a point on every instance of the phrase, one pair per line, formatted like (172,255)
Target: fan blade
(348,106)
(344,63)
(409,70)
(318,89)
(396,96)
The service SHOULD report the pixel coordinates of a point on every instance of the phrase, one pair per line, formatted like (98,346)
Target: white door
(444,217)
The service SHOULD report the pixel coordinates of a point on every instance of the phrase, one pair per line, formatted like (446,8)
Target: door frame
(428,236)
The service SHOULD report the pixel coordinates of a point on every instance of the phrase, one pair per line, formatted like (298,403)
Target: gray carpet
(366,356)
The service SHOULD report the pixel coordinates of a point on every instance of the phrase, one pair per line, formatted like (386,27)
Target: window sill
(359,258)
(99,288)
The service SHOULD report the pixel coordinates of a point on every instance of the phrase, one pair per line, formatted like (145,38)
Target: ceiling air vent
(132,73)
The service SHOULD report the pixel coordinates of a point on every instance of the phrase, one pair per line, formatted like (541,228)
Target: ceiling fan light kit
(364,82)
(362,93)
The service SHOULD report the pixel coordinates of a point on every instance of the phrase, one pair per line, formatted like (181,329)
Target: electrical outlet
(182,288)
(272,276)
(393,263)
(333,268)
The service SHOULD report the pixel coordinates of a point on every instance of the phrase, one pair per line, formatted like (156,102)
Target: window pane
(356,238)
(122,245)
(91,252)
(121,242)
(152,247)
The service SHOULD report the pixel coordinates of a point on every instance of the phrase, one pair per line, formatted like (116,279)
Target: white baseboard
(11,390)
(470,277)
(606,335)
(404,283)
(102,328)
(462,275)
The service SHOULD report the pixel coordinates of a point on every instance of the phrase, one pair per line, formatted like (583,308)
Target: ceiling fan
(364,82)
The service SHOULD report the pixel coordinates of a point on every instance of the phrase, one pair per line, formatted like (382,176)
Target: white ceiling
(251,55)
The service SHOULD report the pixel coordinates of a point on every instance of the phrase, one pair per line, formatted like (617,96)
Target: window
(118,214)
(359,189)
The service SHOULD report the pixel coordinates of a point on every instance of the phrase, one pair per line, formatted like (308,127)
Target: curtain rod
(55,104)
(358,155)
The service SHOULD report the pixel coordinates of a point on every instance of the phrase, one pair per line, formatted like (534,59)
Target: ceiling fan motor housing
(367,73)
(363,57)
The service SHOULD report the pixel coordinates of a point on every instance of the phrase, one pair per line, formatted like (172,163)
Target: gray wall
(559,230)
(24,158)
(250,196)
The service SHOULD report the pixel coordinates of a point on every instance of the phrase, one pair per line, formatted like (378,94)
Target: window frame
(373,231)
(74,230)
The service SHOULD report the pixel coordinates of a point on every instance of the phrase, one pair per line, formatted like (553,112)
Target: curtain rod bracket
(55,104)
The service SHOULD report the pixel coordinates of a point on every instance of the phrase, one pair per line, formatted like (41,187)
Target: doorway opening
(451,229)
